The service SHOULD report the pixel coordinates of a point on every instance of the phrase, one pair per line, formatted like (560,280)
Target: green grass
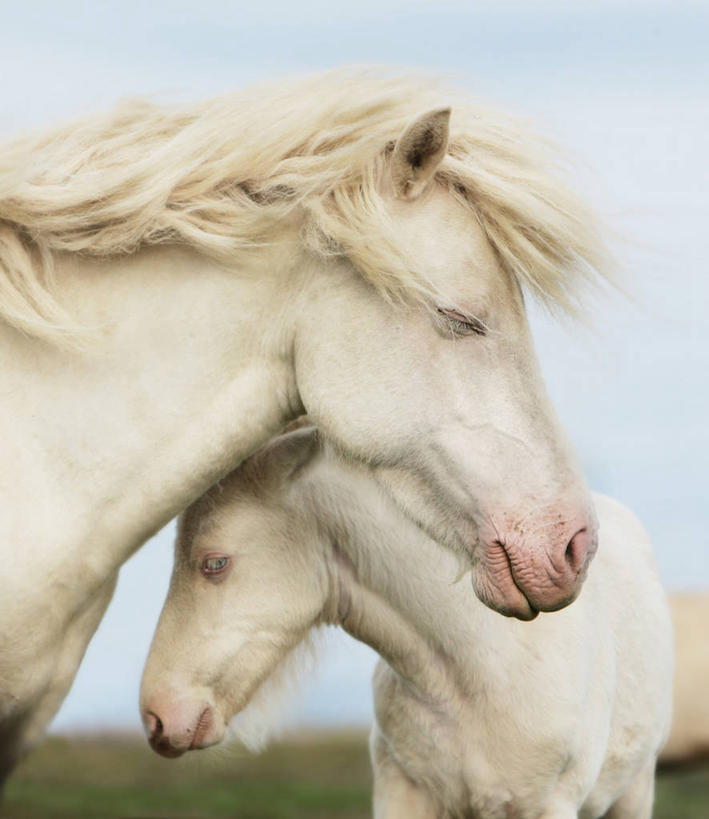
(122,777)
(683,794)
(320,777)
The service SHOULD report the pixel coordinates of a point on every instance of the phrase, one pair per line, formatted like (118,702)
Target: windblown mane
(222,175)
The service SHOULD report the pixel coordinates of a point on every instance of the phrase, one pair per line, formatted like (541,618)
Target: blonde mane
(221,176)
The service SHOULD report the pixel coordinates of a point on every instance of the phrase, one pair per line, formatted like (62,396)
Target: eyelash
(462,324)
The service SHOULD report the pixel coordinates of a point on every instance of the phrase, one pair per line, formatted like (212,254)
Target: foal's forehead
(224,519)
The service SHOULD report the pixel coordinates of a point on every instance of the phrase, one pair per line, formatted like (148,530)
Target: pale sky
(623,85)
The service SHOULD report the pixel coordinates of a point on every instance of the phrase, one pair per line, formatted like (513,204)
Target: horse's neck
(103,448)
(394,588)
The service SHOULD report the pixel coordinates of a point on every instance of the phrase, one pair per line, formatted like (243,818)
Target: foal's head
(248,584)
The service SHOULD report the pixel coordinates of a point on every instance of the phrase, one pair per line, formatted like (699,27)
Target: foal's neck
(392,587)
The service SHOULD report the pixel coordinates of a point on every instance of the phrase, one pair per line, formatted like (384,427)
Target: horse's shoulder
(622,537)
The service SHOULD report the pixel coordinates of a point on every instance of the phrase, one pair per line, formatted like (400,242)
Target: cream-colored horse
(689,736)
(176,285)
(476,715)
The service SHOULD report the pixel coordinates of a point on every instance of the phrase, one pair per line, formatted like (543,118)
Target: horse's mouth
(495,585)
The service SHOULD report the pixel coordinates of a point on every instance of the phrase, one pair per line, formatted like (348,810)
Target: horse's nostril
(576,550)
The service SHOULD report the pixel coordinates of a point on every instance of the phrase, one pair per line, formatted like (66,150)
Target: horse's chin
(168,751)
(501,594)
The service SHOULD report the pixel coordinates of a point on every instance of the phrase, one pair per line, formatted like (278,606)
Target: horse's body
(79,494)
(476,715)
(177,286)
(689,737)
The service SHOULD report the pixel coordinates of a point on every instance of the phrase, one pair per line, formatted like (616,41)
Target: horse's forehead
(449,242)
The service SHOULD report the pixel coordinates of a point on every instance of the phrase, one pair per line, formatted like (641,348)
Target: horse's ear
(291,451)
(418,153)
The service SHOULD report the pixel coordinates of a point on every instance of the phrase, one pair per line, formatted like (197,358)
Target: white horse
(689,737)
(177,285)
(476,715)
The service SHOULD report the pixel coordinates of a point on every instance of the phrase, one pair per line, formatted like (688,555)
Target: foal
(477,715)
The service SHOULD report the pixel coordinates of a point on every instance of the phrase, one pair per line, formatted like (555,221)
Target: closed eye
(462,323)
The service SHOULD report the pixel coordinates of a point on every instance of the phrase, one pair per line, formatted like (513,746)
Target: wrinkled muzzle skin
(454,423)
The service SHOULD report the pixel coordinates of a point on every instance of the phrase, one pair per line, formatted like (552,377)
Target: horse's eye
(461,323)
(214,564)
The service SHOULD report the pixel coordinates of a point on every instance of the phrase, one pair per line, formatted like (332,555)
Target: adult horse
(176,285)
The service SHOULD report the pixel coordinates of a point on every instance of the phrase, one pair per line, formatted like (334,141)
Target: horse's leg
(11,731)
(395,795)
(636,801)
(24,725)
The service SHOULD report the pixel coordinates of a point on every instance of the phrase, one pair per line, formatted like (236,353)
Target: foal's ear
(289,452)
(418,153)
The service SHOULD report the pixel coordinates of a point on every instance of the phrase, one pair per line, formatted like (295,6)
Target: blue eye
(214,564)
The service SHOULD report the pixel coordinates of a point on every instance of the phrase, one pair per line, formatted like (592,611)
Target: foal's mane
(221,177)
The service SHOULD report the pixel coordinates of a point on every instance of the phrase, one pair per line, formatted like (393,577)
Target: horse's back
(689,737)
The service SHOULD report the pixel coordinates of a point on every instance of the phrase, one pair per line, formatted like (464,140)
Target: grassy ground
(319,777)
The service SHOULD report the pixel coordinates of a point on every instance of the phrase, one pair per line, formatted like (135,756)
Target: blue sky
(623,85)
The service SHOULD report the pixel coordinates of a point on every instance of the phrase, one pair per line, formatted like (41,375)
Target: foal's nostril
(155,727)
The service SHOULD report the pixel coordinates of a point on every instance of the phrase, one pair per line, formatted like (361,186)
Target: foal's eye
(214,564)
(462,324)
